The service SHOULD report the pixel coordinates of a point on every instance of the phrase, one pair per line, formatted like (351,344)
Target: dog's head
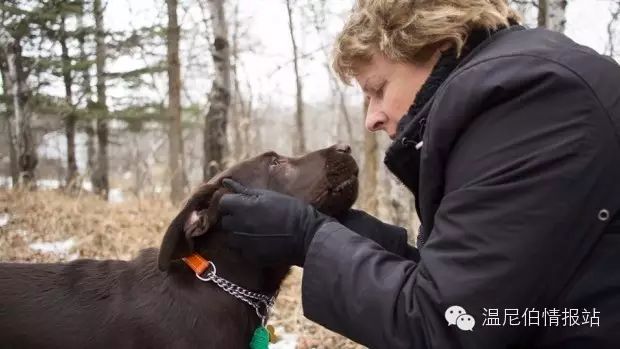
(326,178)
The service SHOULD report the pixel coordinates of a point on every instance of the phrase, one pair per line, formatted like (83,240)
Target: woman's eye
(274,161)
(379,91)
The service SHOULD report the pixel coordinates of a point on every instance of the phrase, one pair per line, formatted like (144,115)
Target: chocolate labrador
(156,300)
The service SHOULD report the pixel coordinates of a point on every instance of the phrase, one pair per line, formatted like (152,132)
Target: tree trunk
(611,30)
(342,104)
(91,151)
(370,181)
(100,175)
(14,168)
(6,87)
(299,143)
(318,19)
(239,146)
(70,118)
(552,14)
(175,149)
(217,116)
(542,13)
(25,150)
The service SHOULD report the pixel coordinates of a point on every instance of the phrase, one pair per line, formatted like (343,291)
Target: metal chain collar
(255,300)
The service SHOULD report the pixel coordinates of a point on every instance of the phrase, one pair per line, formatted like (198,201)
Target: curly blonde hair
(402,30)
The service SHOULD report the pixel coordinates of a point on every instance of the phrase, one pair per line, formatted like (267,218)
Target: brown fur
(155,301)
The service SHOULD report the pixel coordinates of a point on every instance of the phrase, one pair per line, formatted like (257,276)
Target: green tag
(260,339)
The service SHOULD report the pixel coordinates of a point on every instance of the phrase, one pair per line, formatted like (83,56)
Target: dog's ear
(197,216)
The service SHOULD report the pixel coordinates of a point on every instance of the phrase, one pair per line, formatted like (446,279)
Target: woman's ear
(197,216)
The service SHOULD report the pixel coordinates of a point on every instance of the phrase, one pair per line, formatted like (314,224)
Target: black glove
(267,226)
(391,237)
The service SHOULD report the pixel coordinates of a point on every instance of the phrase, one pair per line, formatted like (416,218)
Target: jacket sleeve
(390,237)
(523,188)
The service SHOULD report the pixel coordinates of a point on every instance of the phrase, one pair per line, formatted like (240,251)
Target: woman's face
(390,88)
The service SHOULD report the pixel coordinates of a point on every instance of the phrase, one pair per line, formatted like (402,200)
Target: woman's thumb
(237,187)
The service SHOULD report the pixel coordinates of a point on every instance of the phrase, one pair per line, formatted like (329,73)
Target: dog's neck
(236,269)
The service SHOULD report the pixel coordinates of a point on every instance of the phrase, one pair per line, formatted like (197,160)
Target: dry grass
(118,231)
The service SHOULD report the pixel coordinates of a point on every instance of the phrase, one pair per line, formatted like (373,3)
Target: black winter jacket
(518,189)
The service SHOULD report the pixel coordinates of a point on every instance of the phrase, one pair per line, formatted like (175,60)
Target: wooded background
(123,106)
(174,91)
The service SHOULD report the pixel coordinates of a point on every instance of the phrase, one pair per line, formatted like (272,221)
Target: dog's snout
(343,148)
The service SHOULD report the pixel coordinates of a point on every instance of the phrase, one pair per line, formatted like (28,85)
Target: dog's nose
(343,148)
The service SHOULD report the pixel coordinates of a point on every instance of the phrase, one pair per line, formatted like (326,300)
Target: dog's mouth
(340,188)
(337,198)
(348,183)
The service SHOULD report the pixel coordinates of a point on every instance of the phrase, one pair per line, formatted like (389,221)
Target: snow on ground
(53,247)
(59,248)
(286,340)
(48,183)
(116,195)
(4,219)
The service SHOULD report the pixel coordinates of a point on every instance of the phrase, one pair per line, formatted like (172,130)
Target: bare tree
(100,175)
(217,116)
(611,29)
(370,171)
(91,151)
(552,14)
(299,141)
(522,6)
(15,79)
(175,150)
(239,145)
(542,13)
(242,113)
(71,117)
(318,20)
(11,139)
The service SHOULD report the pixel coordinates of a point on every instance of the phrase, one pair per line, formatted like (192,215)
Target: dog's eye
(274,161)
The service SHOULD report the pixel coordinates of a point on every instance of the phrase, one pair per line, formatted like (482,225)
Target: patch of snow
(87,185)
(116,195)
(4,219)
(53,145)
(58,247)
(48,184)
(6,182)
(72,256)
(21,233)
(286,340)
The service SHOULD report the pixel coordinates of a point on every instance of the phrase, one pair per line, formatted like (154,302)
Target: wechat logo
(456,315)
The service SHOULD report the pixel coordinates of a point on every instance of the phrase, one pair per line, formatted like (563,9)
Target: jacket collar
(402,157)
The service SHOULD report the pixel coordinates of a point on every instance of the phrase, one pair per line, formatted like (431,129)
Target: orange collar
(197,263)
(260,302)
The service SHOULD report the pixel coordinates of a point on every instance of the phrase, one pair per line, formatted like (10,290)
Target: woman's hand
(267,226)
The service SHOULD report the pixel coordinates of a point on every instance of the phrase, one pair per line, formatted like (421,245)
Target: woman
(509,139)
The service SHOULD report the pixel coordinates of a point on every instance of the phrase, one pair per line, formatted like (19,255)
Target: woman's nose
(375,120)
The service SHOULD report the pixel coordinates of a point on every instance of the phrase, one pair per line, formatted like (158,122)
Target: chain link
(255,300)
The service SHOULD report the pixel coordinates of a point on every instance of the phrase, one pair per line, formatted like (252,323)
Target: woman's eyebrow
(365,86)
(371,79)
